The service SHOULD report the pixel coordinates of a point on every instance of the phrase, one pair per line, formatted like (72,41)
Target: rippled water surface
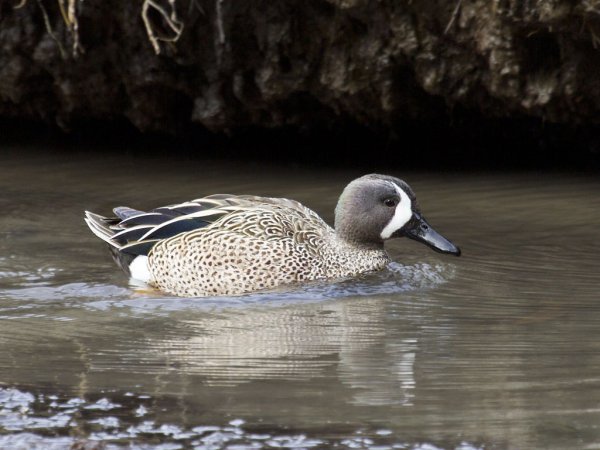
(497,349)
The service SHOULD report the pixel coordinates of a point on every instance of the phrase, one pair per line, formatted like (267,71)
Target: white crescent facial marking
(402,214)
(139,269)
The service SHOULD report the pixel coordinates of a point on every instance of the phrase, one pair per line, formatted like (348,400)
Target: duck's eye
(391,202)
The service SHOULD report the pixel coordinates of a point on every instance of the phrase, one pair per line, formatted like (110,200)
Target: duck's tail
(101,227)
(131,257)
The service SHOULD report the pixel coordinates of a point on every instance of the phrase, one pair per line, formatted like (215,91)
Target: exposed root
(165,10)
(69,16)
(453,17)
(49,28)
(170,18)
(69,12)
(74,26)
(220,29)
(194,4)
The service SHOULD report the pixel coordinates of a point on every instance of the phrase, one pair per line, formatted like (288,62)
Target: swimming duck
(233,244)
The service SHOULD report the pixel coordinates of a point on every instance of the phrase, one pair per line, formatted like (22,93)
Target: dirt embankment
(225,64)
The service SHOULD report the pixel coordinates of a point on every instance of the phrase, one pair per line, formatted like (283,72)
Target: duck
(236,244)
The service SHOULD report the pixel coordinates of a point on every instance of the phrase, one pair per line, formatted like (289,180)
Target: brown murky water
(497,349)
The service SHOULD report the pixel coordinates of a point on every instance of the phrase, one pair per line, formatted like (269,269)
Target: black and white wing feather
(135,232)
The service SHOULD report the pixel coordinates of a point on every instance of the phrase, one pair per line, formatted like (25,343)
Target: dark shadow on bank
(465,142)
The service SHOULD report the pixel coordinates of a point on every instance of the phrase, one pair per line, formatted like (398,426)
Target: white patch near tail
(402,214)
(139,269)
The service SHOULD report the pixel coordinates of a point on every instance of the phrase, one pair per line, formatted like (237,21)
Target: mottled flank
(258,248)
(227,244)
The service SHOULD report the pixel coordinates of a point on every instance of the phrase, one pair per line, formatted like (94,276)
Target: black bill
(419,230)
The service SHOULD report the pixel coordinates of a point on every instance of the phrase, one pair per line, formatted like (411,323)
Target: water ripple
(22,412)
(396,278)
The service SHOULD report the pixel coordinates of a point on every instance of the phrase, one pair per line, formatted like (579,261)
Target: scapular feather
(146,219)
(176,226)
(125,212)
(131,234)
(138,248)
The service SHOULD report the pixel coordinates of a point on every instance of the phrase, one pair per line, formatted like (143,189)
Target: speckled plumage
(227,245)
(260,247)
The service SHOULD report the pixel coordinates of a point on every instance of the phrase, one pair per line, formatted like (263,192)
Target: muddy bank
(306,64)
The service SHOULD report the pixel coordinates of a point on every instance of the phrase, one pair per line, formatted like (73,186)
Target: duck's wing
(136,232)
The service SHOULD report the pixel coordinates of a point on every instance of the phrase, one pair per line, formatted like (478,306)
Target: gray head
(374,208)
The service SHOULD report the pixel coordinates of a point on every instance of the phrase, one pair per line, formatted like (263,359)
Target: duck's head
(374,208)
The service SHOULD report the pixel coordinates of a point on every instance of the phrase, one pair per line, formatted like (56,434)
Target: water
(497,349)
